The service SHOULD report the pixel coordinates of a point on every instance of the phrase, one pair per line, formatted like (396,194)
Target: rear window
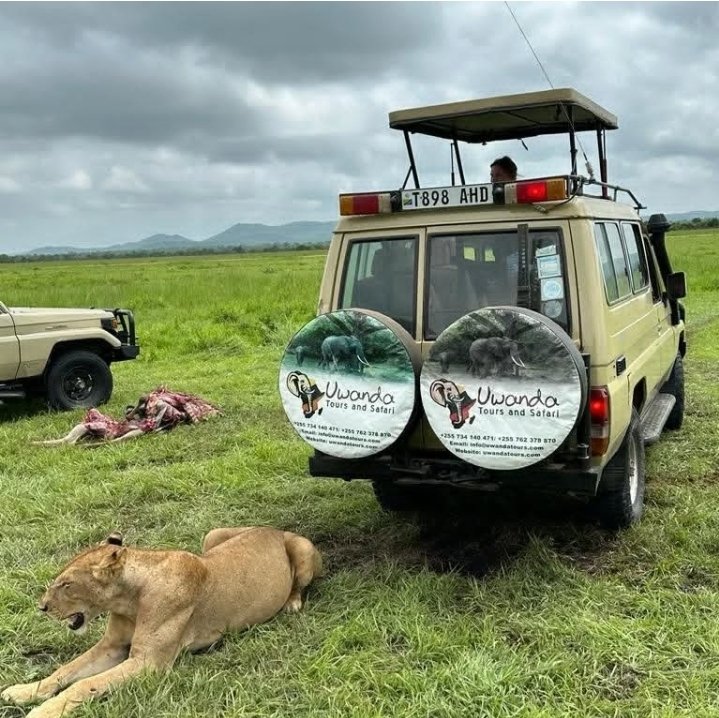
(380,274)
(470,271)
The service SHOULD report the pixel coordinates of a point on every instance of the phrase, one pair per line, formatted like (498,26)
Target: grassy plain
(510,610)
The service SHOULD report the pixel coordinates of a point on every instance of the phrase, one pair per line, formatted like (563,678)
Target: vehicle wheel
(621,502)
(78,379)
(675,386)
(394,497)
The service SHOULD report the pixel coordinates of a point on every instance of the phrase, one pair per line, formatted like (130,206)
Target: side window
(380,275)
(619,261)
(635,255)
(605,260)
(613,261)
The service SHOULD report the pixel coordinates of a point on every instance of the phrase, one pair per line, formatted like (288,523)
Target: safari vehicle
(63,354)
(544,312)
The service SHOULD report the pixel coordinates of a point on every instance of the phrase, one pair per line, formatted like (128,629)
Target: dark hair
(507,165)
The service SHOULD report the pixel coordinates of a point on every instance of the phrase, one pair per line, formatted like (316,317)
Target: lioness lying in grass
(161,602)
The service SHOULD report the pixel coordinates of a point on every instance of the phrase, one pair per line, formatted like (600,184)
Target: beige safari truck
(524,334)
(63,354)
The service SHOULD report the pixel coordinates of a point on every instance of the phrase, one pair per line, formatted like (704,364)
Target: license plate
(465,196)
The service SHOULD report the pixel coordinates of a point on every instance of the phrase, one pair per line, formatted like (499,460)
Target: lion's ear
(110,564)
(114,538)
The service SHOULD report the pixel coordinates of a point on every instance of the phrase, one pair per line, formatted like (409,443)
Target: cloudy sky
(121,120)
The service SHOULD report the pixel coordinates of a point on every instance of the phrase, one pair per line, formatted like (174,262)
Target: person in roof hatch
(503,169)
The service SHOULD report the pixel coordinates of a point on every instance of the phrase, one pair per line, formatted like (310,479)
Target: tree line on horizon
(189,252)
(697,223)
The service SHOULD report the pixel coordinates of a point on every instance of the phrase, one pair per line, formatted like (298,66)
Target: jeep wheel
(394,497)
(675,386)
(78,379)
(621,502)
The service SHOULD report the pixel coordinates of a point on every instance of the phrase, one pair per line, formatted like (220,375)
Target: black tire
(78,379)
(674,385)
(621,501)
(398,498)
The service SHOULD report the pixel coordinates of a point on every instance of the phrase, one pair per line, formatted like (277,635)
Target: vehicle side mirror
(676,285)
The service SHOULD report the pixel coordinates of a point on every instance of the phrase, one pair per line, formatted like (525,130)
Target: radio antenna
(590,171)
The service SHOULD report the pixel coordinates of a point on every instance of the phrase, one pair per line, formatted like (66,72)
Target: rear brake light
(599,413)
(368,203)
(546,190)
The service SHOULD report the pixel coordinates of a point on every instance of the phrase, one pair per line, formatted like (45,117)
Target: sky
(122,120)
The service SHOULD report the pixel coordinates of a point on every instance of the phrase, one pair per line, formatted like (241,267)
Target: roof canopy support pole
(459,161)
(573,151)
(602,149)
(572,139)
(412,166)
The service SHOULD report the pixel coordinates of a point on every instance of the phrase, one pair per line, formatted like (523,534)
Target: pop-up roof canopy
(507,118)
(510,117)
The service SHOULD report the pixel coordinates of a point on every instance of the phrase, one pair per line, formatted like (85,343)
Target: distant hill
(253,235)
(41,251)
(157,241)
(239,235)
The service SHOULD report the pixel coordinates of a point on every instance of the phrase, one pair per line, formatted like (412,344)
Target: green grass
(508,610)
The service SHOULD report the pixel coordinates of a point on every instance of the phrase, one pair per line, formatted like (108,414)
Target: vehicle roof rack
(509,117)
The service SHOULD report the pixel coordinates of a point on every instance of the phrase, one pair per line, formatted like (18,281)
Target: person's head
(503,170)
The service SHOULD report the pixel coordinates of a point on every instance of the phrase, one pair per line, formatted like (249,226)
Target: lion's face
(86,587)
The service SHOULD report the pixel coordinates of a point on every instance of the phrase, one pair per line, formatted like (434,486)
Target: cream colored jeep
(522,334)
(63,354)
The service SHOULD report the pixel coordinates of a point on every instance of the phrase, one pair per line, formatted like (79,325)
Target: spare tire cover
(503,387)
(348,382)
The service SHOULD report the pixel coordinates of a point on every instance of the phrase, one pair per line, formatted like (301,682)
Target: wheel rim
(633,470)
(78,384)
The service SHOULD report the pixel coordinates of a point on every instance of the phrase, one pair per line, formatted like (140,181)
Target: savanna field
(507,609)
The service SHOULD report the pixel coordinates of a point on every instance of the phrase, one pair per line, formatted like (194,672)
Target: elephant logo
(344,349)
(495,356)
(446,393)
(307,391)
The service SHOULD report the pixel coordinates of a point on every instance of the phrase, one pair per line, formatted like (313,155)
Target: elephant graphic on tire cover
(495,355)
(347,350)
(307,391)
(446,393)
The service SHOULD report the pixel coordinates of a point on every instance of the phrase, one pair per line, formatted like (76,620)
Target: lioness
(163,601)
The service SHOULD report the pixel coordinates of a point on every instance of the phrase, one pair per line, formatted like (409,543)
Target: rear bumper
(579,478)
(125,352)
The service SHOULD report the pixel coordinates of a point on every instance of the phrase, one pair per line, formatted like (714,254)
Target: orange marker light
(366,203)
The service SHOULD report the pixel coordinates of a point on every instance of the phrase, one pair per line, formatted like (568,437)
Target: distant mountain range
(239,235)
(254,236)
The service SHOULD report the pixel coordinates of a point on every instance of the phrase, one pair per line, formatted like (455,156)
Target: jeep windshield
(465,272)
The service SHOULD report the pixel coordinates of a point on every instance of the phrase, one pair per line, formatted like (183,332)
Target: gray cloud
(118,120)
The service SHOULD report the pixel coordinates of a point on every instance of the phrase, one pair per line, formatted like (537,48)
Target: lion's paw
(22,693)
(294,604)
